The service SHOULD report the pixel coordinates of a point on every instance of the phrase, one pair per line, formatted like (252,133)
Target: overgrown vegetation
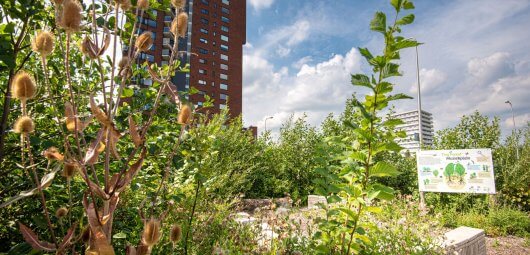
(109,166)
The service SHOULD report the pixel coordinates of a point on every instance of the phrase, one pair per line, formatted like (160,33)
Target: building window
(225,19)
(224,28)
(202,71)
(204,11)
(224,57)
(204,21)
(224,86)
(224,47)
(222,106)
(203,61)
(223,76)
(203,51)
(202,82)
(199,103)
(204,2)
(204,31)
(227,2)
(223,97)
(203,40)
(225,10)
(224,38)
(224,67)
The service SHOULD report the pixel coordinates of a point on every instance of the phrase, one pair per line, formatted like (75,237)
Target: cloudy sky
(300,54)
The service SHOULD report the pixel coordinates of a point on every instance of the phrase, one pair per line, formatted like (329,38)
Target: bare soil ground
(507,245)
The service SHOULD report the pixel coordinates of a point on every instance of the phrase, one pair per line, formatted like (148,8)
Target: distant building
(213,47)
(411,127)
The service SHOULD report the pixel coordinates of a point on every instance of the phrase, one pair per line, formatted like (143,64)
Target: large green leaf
(405,43)
(383,169)
(399,96)
(378,23)
(390,70)
(407,19)
(397,4)
(361,80)
(366,53)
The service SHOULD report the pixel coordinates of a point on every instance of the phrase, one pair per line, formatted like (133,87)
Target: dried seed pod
(176,234)
(124,67)
(61,212)
(144,41)
(151,234)
(53,153)
(184,115)
(143,4)
(58,2)
(71,16)
(125,5)
(23,86)
(24,125)
(69,169)
(179,25)
(43,43)
(178,3)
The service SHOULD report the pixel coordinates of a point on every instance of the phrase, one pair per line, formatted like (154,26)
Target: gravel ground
(508,245)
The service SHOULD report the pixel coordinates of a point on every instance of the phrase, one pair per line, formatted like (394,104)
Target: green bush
(507,221)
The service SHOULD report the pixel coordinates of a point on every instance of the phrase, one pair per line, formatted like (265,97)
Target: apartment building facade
(411,126)
(213,49)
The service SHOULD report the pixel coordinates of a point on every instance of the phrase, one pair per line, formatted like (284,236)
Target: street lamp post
(420,142)
(270,117)
(513,130)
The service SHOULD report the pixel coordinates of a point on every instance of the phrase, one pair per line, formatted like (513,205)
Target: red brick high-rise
(216,34)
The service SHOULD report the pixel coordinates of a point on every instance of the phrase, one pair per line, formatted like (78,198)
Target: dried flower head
(43,43)
(23,86)
(184,115)
(124,67)
(144,41)
(71,16)
(125,5)
(151,234)
(179,25)
(178,3)
(58,2)
(69,170)
(143,4)
(176,233)
(53,153)
(61,212)
(24,125)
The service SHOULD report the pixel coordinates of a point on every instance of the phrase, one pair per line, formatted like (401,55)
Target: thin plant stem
(39,188)
(190,220)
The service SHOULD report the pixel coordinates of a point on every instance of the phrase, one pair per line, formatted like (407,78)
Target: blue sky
(300,54)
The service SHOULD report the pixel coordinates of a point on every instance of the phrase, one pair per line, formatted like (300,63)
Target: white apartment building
(411,127)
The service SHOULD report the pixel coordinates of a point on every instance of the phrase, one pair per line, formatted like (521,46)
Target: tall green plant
(348,180)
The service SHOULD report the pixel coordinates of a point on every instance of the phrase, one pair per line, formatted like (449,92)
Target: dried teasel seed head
(23,86)
(53,153)
(124,62)
(184,115)
(178,3)
(24,125)
(144,41)
(43,43)
(176,233)
(61,212)
(69,169)
(71,16)
(58,2)
(125,5)
(179,25)
(151,234)
(143,4)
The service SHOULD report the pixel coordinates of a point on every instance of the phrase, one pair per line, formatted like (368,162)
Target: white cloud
(520,121)
(430,79)
(283,51)
(315,90)
(300,62)
(261,4)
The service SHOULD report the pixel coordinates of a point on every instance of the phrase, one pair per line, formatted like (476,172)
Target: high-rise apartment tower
(411,126)
(213,46)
